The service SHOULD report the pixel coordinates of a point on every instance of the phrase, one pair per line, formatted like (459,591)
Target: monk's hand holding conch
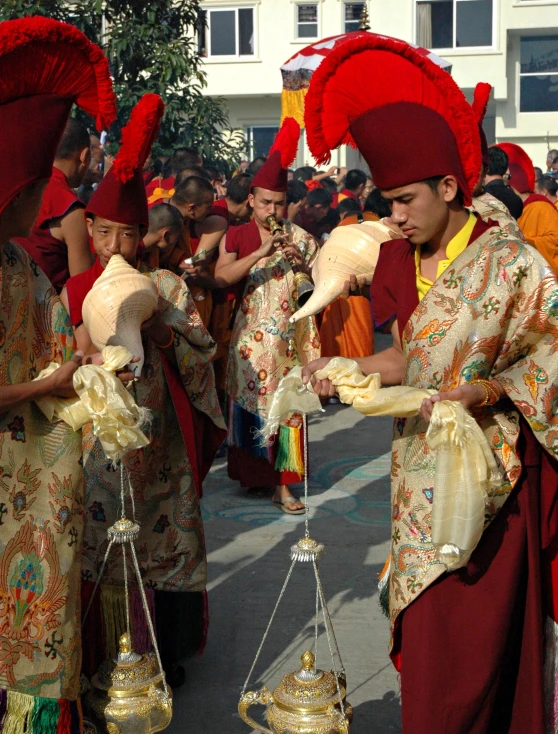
(357,285)
(322,388)
(470,397)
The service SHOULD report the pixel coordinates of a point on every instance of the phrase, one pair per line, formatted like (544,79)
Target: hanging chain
(305,450)
(268,628)
(99,577)
(126,590)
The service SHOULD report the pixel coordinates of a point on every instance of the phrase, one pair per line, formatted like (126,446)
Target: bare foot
(284,499)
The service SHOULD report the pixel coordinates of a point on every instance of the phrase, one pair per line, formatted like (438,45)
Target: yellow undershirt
(454,248)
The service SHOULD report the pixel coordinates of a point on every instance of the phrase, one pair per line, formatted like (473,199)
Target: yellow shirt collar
(455,247)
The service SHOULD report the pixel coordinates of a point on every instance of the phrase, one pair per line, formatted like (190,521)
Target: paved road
(248,543)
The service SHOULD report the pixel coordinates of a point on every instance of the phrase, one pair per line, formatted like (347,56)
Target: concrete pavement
(248,542)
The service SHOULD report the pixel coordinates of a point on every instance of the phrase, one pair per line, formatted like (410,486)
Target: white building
(512,44)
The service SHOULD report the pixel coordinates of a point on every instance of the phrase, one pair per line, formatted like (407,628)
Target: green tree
(152,47)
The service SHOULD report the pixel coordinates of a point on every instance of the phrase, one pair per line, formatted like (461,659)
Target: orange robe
(346,329)
(539,224)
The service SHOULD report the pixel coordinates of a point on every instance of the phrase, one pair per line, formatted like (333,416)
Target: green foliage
(152,47)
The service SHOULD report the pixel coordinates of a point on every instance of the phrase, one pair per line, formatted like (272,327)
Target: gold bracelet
(170,343)
(491,392)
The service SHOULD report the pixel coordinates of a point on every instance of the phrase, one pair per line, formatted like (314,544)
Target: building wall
(252,86)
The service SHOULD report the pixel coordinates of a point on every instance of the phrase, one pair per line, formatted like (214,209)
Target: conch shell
(117,305)
(350,250)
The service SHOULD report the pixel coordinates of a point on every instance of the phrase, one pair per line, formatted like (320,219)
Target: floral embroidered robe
(494,313)
(171,547)
(261,353)
(41,497)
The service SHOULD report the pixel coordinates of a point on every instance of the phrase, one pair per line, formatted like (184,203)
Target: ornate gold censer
(129,694)
(309,700)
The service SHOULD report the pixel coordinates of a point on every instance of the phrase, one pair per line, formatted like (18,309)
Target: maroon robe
(50,253)
(470,648)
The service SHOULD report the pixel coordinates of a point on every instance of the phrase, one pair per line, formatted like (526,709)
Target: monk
(165,228)
(58,242)
(264,344)
(177,385)
(468,304)
(539,220)
(45,67)
(181,158)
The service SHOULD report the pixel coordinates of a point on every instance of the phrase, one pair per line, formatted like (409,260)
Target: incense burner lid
(308,689)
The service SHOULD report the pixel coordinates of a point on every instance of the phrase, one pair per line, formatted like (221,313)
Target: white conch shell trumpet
(114,309)
(350,250)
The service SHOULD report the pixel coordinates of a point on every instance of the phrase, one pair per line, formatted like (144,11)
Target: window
(538,74)
(353,14)
(230,32)
(307,20)
(260,139)
(454,23)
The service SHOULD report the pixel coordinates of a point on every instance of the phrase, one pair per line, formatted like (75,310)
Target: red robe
(470,648)
(50,254)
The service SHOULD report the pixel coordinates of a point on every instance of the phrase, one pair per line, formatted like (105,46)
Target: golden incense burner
(128,694)
(308,701)
(303,284)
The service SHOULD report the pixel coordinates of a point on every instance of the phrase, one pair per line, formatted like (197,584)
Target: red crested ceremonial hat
(480,105)
(273,174)
(405,114)
(45,67)
(521,167)
(121,197)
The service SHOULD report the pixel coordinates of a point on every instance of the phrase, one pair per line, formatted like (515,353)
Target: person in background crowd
(45,66)
(59,242)
(368,188)
(538,174)
(547,186)
(234,203)
(554,168)
(468,643)
(355,182)
(290,174)
(539,220)
(349,208)
(376,204)
(165,228)
(181,158)
(296,198)
(304,173)
(550,158)
(264,344)
(243,166)
(256,164)
(318,217)
(217,180)
(329,184)
(495,184)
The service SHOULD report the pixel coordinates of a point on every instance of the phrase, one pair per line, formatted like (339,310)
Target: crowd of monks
(466,287)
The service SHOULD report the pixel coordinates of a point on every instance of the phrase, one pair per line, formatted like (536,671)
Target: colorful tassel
(244,428)
(3,705)
(18,713)
(383,586)
(65,720)
(289,454)
(45,716)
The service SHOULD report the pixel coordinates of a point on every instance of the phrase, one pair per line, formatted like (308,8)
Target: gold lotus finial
(308,660)
(125,644)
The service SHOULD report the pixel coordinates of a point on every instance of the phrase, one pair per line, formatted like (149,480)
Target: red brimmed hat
(273,174)
(405,114)
(121,197)
(521,167)
(45,66)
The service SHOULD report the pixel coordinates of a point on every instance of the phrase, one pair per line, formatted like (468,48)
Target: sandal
(284,506)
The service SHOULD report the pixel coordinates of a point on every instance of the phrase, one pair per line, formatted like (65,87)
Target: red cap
(121,197)
(405,114)
(480,104)
(273,174)
(45,67)
(521,167)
